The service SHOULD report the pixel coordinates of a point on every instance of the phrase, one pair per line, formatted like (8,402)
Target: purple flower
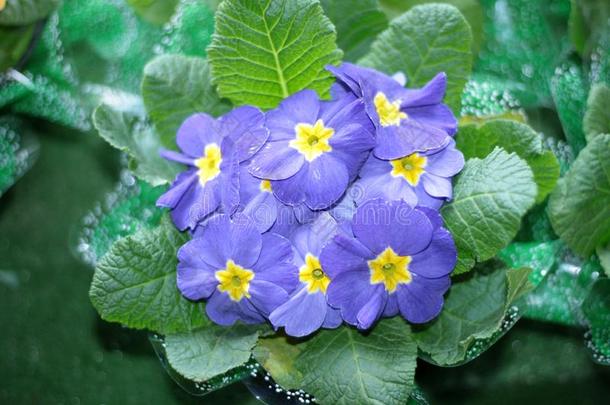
(256,200)
(314,148)
(397,260)
(418,179)
(212,149)
(307,310)
(406,120)
(242,274)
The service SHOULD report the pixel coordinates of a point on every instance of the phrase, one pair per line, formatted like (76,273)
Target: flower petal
(438,259)
(276,160)
(439,187)
(395,142)
(422,299)
(196,132)
(372,310)
(223,311)
(245,127)
(344,254)
(327,179)
(266,296)
(302,314)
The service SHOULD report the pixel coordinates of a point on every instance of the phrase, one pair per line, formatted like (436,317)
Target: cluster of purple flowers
(319,212)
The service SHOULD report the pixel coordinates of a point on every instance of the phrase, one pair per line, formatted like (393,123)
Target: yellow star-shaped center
(311,273)
(312,140)
(234,280)
(209,163)
(390,269)
(410,168)
(388,111)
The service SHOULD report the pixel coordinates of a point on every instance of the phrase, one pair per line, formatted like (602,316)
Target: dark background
(55,350)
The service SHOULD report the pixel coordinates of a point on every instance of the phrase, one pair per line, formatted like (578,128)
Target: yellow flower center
(312,140)
(209,163)
(389,112)
(390,269)
(265,186)
(311,273)
(410,168)
(234,280)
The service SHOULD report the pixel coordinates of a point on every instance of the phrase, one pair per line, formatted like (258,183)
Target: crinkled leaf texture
(490,197)
(579,207)
(345,366)
(597,115)
(173,88)
(422,42)
(474,309)
(479,141)
(135,283)
(358,22)
(210,351)
(265,50)
(277,355)
(127,131)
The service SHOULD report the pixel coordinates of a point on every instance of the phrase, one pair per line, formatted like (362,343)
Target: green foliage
(175,87)
(579,207)
(154,11)
(479,141)
(596,308)
(490,197)
(277,355)
(135,283)
(474,309)
(597,115)
(424,41)
(345,366)
(470,9)
(22,12)
(358,22)
(265,50)
(15,41)
(126,131)
(210,351)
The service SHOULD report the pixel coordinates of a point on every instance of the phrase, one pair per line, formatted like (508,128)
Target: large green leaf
(175,87)
(265,50)
(22,12)
(597,115)
(345,366)
(424,41)
(490,197)
(277,355)
(474,309)
(512,136)
(358,22)
(579,207)
(154,11)
(126,131)
(210,351)
(135,283)
(471,9)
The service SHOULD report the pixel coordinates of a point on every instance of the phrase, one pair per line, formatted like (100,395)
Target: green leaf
(474,309)
(210,351)
(126,131)
(265,50)
(596,308)
(424,41)
(154,11)
(277,355)
(577,28)
(470,9)
(344,366)
(579,207)
(603,253)
(512,136)
(358,22)
(14,44)
(175,87)
(22,12)
(597,115)
(490,197)
(135,283)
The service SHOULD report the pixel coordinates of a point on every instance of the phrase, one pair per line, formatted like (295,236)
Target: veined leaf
(474,309)
(265,50)
(479,141)
(597,115)
(422,42)
(128,132)
(277,355)
(490,197)
(135,283)
(344,366)
(175,87)
(579,207)
(358,22)
(210,351)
